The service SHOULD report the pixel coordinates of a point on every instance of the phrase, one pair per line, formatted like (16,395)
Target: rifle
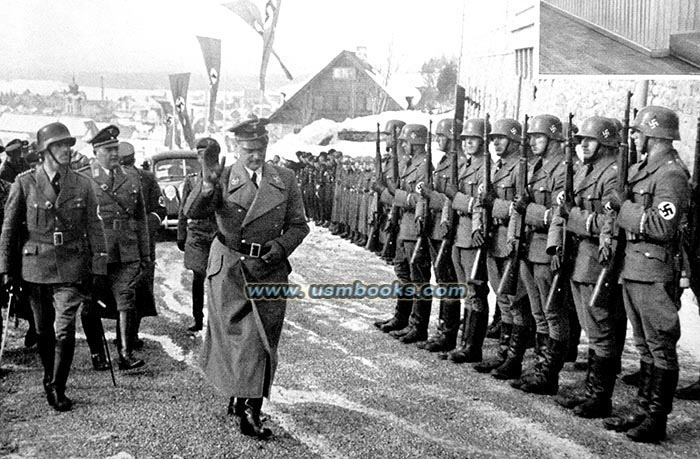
(389,249)
(445,251)
(692,248)
(479,274)
(509,280)
(609,274)
(373,239)
(11,305)
(423,211)
(631,146)
(561,277)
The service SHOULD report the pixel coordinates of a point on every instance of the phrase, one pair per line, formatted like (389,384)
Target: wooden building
(347,87)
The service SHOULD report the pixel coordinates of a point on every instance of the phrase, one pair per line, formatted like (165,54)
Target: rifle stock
(479,273)
(610,273)
(560,280)
(509,280)
(444,254)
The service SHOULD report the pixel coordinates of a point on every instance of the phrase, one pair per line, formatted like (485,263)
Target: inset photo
(621,37)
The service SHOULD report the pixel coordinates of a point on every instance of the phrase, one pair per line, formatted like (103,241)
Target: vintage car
(170,169)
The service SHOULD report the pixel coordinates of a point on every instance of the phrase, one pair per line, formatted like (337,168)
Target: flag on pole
(211,50)
(179,83)
(250,13)
(168,119)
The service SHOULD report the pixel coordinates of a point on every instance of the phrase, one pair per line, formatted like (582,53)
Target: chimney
(409,100)
(361,52)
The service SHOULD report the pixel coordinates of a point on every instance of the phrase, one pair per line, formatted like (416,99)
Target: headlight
(170,192)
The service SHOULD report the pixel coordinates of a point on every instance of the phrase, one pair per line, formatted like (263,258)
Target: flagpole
(207,108)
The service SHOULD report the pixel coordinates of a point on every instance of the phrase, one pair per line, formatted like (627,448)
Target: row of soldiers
(549,223)
(78,237)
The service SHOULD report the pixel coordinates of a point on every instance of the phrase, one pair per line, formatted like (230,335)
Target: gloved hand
(478,238)
(378,186)
(212,166)
(444,229)
(276,253)
(391,187)
(451,191)
(555,263)
(423,189)
(181,244)
(605,251)
(565,206)
(487,201)
(615,200)
(520,203)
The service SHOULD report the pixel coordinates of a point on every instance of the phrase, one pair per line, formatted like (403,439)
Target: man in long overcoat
(260,221)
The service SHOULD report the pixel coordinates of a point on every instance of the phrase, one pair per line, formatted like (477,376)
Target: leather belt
(119,223)
(253,250)
(57,238)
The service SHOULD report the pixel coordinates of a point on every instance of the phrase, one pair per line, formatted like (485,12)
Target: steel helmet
(445,127)
(618,124)
(602,129)
(507,127)
(391,125)
(414,134)
(548,125)
(474,127)
(659,122)
(52,133)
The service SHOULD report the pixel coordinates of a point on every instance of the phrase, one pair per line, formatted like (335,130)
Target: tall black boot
(472,339)
(46,344)
(639,409)
(251,425)
(568,397)
(197,301)
(464,326)
(62,361)
(486,365)
(653,428)
(512,367)
(599,388)
(92,326)
(493,331)
(546,382)
(691,392)
(126,359)
(402,311)
(540,348)
(418,321)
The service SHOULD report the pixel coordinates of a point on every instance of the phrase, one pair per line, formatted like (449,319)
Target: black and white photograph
(334,229)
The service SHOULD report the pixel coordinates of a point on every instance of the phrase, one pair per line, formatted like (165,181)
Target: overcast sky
(160,35)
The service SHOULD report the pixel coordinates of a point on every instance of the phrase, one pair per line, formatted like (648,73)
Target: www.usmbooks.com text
(354,290)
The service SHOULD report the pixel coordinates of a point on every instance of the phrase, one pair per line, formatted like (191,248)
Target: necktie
(111,178)
(55,183)
(254,178)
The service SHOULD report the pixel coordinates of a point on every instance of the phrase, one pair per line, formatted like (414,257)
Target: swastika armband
(667,210)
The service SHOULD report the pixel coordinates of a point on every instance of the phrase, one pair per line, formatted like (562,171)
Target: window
(344,73)
(523,62)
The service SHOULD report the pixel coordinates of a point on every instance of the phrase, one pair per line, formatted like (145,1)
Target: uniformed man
(260,222)
(545,182)
(51,215)
(583,218)
(15,164)
(194,237)
(412,311)
(513,330)
(445,338)
(651,215)
(468,240)
(155,213)
(119,195)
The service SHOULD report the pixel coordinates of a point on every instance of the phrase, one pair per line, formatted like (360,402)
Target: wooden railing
(647,24)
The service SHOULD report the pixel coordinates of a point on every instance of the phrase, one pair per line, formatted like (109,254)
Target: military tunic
(240,347)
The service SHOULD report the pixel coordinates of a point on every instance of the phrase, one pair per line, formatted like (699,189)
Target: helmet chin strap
(60,164)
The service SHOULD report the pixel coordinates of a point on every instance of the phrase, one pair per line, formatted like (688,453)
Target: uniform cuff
(631,217)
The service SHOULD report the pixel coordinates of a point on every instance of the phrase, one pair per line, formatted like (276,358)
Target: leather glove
(451,191)
(605,251)
(391,187)
(615,200)
(512,245)
(520,203)
(378,186)
(212,166)
(423,189)
(487,201)
(478,238)
(565,206)
(181,244)
(276,253)
(555,263)
(444,229)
